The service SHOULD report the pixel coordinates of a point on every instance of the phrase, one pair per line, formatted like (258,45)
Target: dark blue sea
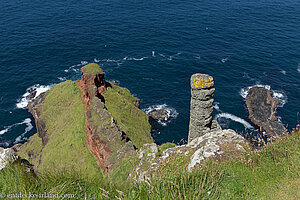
(152,47)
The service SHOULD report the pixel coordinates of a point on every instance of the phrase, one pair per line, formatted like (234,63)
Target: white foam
(298,67)
(197,57)
(62,78)
(29,126)
(70,68)
(153,53)
(280,95)
(172,113)
(216,106)
(23,102)
(173,56)
(136,59)
(96,60)
(244,91)
(283,72)
(162,55)
(3,131)
(26,121)
(234,118)
(223,60)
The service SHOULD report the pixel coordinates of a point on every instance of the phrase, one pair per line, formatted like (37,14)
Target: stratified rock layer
(201,105)
(262,106)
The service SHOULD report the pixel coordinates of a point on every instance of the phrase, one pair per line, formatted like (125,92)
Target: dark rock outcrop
(262,107)
(158,114)
(31,95)
(35,108)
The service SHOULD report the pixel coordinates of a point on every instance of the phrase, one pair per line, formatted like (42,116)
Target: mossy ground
(133,121)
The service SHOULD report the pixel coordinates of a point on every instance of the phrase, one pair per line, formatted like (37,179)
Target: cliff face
(77,132)
(105,137)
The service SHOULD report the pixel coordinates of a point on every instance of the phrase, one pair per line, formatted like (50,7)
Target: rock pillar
(201,105)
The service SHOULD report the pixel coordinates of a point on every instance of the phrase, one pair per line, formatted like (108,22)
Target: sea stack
(201,105)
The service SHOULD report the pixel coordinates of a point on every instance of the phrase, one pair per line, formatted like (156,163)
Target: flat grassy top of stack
(92,68)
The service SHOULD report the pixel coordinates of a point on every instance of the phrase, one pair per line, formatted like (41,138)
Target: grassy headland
(271,172)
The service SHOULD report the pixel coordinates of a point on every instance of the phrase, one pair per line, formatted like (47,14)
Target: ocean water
(151,47)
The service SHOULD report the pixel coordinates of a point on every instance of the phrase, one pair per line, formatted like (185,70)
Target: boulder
(32,95)
(158,114)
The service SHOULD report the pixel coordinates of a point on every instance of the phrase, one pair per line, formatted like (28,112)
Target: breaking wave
(26,121)
(233,118)
(21,137)
(23,102)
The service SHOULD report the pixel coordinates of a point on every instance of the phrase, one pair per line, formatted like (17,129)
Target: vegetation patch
(92,68)
(133,121)
(32,150)
(67,149)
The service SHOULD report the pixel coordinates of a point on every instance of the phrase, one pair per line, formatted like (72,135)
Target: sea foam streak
(23,102)
(280,95)
(26,121)
(172,113)
(216,106)
(29,126)
(223,60)
(234,118)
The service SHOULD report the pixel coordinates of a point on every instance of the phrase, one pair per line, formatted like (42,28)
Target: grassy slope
(67,148)
(270,173)
(134,122)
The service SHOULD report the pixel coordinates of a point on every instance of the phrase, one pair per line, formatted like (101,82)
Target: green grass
(133,121)
(67,148)
(92,68)
(269,173)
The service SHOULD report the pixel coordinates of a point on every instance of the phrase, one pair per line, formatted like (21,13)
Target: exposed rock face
(35,108)
(218,145)
(201,105)
(106,139)
(212,144)
(158,114)
(262,106)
